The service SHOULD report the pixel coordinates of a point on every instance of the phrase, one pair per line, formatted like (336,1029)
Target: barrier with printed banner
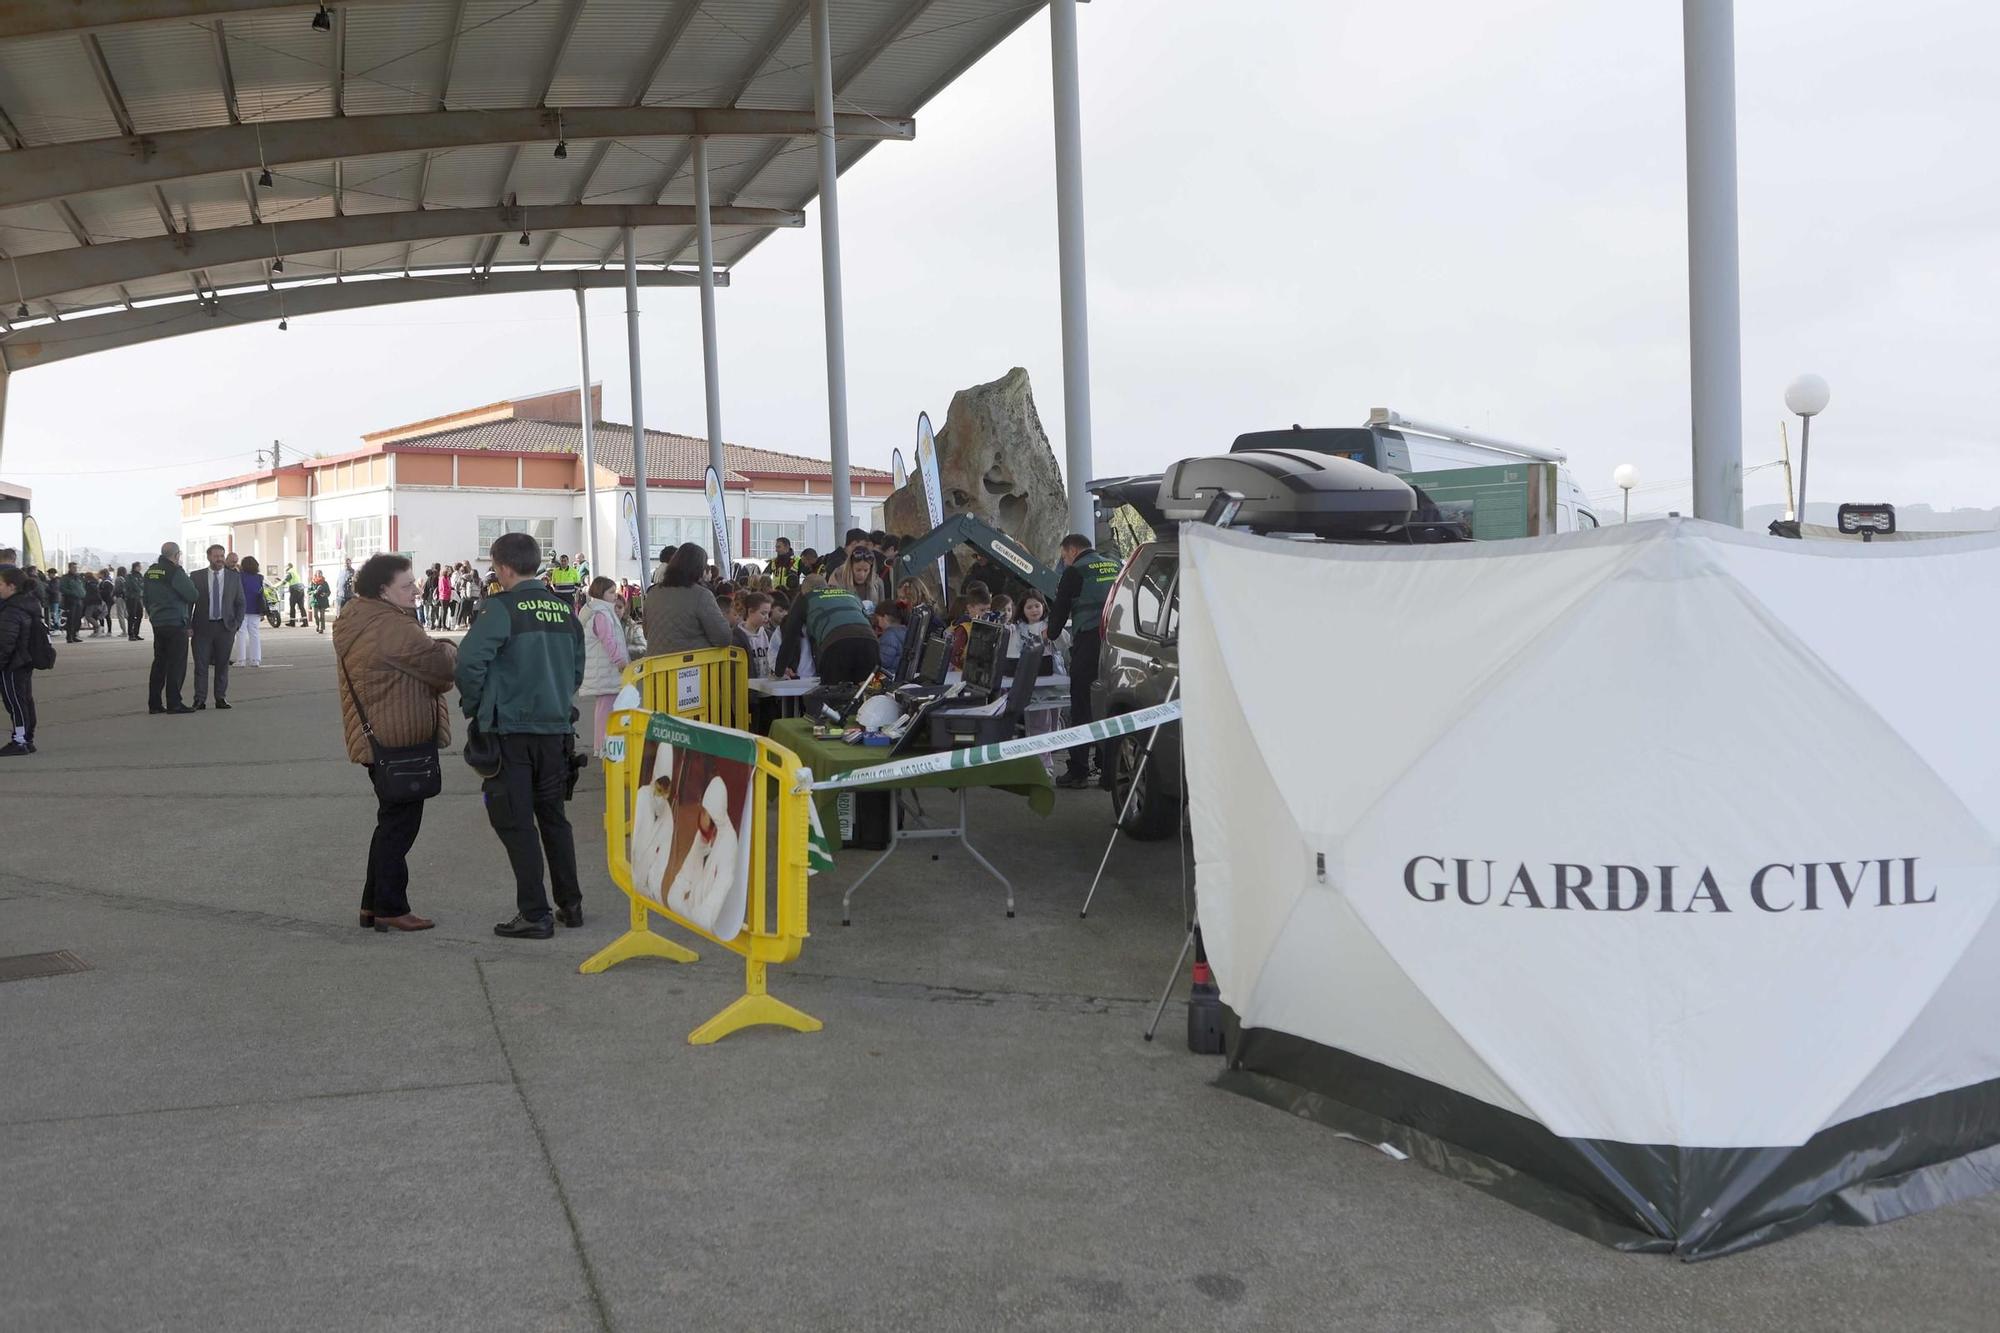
(689,836)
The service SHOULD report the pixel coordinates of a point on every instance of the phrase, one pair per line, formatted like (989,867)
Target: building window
(354,539)
(543,530)
(664,530)
(764,538)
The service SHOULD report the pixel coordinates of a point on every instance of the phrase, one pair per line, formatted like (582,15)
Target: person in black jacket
(20,622)
(135,600)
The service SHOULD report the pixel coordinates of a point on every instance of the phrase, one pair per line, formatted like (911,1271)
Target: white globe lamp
(1627,477)
(1806,397)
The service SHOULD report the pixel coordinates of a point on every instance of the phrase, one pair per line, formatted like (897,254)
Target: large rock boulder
(993,461)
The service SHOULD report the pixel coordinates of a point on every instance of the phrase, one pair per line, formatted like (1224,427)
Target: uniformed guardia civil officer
(170,596)
(519,667)
(1080,592)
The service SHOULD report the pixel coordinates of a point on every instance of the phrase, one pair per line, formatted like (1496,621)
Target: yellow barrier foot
(749,1011)
(637,944)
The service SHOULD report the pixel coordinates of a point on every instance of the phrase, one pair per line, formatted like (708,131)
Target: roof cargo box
(1286,491)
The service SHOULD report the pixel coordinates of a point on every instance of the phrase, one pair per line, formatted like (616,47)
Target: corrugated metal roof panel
(944,38)
(27,231)
(50,93)
(385,258)
(786,80)
(118,215)
(283,65)
(467,177)
(503,48)
(720,49)
(385,184)
(395,55)
(169,77)
(607,53)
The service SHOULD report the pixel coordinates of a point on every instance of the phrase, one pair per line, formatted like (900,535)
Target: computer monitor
(985,648)
(917,633)
(936,659)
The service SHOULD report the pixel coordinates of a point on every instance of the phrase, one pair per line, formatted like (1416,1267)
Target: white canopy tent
(1644,875)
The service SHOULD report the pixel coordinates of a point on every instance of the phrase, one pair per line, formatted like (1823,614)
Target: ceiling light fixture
(284,324)
(524,238)
(322,21)
(264,178)
(562,141)
(278,264)
(21,310)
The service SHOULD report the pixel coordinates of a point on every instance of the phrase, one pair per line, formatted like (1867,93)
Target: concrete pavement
(251,1115)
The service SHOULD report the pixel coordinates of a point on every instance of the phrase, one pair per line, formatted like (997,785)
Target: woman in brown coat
(402,676)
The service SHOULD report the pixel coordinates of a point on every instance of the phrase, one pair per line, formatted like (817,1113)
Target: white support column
(4,373)
(829,266)
(589,436)
(711,373)
(1708,30)
(639,470)
(1069,258)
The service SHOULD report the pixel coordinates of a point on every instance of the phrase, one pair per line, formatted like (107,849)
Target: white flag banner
(718,520)
(927,467)
(897,469)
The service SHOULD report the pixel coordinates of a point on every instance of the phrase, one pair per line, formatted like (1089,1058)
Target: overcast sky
(1468,212)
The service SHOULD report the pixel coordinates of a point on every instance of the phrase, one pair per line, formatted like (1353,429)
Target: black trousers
(17,692)
(212,642)
(295,607)
(135,611)
(848,661)
(1082,679)
(524,803)
(72,617)
(170,666)
(386,892)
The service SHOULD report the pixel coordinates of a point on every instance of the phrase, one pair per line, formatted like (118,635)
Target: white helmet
(879,713)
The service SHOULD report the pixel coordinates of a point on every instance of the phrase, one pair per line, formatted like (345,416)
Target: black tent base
(1695,1203)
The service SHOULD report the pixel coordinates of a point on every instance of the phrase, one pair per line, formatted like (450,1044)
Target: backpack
(41,649)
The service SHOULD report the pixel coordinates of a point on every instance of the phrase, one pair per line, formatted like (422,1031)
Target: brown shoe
(407,921)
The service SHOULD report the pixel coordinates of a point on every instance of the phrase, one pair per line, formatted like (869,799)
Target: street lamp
(1806,397)
(1627,477)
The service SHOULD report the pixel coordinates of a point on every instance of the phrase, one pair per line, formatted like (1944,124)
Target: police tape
(975,756)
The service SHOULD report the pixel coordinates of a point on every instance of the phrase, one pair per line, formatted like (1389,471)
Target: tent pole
(1138,771)
(639,468)
(1069,263)
(829,267)
(589,441)
(1708,31)
(1172,977)
(711,373)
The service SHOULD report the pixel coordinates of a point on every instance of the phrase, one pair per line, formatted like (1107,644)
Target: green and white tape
(974,756)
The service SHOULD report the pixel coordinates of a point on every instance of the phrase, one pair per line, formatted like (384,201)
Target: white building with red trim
(441,490)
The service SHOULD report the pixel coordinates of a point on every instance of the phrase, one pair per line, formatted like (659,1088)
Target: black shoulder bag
(401,773)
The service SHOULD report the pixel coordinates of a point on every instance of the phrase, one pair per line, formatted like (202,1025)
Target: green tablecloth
(1023,777)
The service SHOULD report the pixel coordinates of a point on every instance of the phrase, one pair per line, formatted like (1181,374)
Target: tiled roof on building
(670,457)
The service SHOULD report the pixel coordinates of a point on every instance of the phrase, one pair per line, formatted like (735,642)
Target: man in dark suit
(218,612)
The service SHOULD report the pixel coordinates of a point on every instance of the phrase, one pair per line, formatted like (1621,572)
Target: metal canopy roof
(415,143)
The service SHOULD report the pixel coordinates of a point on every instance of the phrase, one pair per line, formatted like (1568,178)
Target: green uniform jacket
(827,609)
(521,663)
(71,587)
(169,594)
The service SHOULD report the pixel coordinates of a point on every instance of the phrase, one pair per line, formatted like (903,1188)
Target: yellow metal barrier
(711,685)
(774,922)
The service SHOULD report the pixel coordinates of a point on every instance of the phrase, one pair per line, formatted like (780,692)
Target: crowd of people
(538,648)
